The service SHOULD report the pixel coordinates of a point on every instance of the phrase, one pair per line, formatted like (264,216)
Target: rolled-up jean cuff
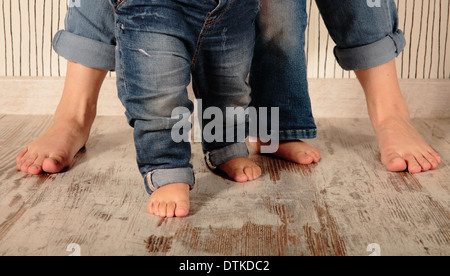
(297,134)
(218,157)
(85,51)
(373,54)
(163,177)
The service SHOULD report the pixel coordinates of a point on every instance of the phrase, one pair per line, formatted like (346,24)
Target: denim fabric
(88,37)
(160,44)
(221,156)
(366,35)
(278,77)
(159,178)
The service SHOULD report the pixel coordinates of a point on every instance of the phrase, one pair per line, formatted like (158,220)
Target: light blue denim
(366,35)
(160,44)
(89,35)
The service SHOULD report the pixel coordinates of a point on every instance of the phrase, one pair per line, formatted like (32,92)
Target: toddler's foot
(241,169)
(170,201)
(402,148)
(53,151)
(294,151)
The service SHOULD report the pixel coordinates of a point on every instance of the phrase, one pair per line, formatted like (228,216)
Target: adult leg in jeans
(278,77)
(88,44)
(368,41)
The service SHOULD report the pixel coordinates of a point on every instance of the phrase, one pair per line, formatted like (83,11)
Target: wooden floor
(337,207)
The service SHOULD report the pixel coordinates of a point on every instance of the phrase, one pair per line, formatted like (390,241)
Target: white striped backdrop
(27,28)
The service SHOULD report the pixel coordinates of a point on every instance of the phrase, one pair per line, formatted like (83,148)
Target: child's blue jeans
(160,43)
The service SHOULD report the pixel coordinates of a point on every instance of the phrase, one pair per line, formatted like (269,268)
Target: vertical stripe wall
(27,28)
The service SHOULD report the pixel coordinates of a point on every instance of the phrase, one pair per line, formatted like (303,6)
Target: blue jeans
(278,76)
(365,37)
(160,43)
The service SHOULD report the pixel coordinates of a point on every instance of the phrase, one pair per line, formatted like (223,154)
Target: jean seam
(299,130)
(395,42)
(119,4)
(121,73)
(208,23)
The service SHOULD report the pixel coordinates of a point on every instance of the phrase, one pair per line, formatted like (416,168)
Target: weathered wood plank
(336,207)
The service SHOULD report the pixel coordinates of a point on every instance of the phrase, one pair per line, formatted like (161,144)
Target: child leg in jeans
(160,43)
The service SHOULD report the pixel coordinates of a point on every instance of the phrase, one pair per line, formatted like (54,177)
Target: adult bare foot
(170,201)
(402,148)
(294,151)
(241,169)
(55,149)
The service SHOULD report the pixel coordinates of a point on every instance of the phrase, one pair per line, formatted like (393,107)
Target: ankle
(78,123)
(382,114)
(81,115)
(390,123)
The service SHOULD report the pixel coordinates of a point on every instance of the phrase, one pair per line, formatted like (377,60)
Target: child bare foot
(170,201)
(294,151)
(53,151)
(402,148)
(241,169)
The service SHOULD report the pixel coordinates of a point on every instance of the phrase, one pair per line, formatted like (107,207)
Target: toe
(171,206)
(249,173)
(436,156)
(257,172)
(317,155)
(432,159)
(395,163)
(304,158)
(150,207)
(413,165)
(238,175)
(28,162)
(22,160)
(423,162)
(155,208)
(182,209)
(20,156)
(53,164)
(162,209)
(36,167)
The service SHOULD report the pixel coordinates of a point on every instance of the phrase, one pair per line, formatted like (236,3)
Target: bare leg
(402,147)
(55,149)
